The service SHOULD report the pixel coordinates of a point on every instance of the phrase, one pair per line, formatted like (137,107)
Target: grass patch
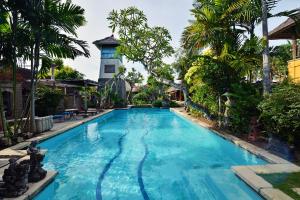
(284,182)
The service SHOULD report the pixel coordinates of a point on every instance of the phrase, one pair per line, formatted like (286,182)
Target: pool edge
(48,135)
(249,173)
(36,188)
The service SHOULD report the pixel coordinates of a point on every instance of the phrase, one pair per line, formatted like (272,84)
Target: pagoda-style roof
(289,29)
(108,41)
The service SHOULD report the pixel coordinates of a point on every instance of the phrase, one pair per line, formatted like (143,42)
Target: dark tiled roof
(111,40)
(286,30)
(22,74)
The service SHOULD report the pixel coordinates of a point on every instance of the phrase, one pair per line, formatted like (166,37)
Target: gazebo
(290,30)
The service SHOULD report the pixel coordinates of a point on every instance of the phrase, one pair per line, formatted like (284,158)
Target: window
(108,52)
(109,69)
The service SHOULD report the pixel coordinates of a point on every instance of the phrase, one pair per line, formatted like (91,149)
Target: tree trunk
(129,94)
(3,120)
(266,62)
(14,65)
(33,84)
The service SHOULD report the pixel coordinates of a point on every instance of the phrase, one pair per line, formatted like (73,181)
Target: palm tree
(53,25)
(266,53)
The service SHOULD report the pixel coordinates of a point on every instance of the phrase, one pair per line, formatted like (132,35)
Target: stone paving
(249,173)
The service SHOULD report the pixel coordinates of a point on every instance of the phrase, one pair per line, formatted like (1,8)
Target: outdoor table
(72,112)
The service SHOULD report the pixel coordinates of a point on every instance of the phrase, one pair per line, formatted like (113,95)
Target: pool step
(230,186)
(199,186)
(212,186)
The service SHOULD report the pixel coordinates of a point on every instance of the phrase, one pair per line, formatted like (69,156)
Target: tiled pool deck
(246,173)
(249,173)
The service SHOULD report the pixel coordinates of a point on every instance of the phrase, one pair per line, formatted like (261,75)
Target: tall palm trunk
(266,62)
(14,66)
(33,84)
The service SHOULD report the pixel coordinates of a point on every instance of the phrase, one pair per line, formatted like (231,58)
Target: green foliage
(173,104)
(68,73)
(215,74)
(203,94)
(157,103)
(48,100)
(280,55)
(117,102)
(134,77)
(285,182)
(280,112)
(245,97)
(141,98)
(140,42)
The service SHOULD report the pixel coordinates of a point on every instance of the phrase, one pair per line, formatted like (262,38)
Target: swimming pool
(144,154)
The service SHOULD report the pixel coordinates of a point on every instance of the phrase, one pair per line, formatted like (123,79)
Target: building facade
(110,63)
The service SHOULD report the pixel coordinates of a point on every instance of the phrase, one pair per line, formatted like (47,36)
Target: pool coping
(246,173)
(35,188)
(249,173)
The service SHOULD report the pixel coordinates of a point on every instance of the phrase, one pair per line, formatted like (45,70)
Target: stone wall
(7,86)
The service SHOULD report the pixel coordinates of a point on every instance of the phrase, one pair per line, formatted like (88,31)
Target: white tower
(110,62)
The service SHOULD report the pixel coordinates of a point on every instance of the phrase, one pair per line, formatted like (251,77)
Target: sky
(172,14)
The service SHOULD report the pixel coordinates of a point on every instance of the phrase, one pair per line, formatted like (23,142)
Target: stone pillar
(294,48)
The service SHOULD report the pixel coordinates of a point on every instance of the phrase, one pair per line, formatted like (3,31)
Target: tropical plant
(148,45)
(68,73)
(140,99)
(246,97)
(133,77)
(49,30)
(48,100)
(280,55)
(280,112)
(157,103)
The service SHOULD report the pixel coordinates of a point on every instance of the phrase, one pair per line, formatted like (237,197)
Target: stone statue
(36,172)
(228,105)
(15,179)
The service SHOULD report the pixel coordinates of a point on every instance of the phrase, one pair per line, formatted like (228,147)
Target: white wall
(104,62)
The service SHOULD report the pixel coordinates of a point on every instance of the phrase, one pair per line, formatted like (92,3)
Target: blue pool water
(144,154)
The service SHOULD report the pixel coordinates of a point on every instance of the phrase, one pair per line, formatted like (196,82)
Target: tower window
(109,69)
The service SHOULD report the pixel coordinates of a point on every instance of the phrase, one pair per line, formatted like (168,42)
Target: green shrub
(245,98)
(173,104)
(118,102)
(48,100)
(140,99)
(157,103)
(280,112)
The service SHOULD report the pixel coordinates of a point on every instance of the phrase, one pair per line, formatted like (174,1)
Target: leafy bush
(48,100)
(157,103)
(204,95)
(140,98)
(68,73)
(245,99)
(173,104)
(118,102)
(280,112)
